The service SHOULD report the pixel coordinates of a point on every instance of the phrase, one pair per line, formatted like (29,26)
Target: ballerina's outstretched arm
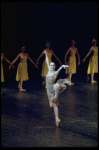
(63,66)
(87,54)
(39,58)
(56,72)
(47,60)
(56,57)
(32,61)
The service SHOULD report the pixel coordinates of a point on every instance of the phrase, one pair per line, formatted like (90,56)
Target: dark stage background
(33,23)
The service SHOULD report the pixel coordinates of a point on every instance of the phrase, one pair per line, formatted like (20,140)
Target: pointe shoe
(67,81)
(21,90)
(93,81)
(71,83)
(57,122)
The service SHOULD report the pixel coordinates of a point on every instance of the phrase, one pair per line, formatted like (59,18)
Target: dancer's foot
(57,122)
(18,86)
(21,90)
(93,81)
(67,81)
(71,83)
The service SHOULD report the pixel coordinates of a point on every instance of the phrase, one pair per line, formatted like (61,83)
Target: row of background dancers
(48,71)
(22,72)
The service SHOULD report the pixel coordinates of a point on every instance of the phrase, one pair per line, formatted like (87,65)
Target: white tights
(57,88)
(55,111)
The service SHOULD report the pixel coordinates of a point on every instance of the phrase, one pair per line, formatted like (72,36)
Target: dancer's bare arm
(87,54)
(56,57)
(18,56)
(78,58)
(6,59)
(63,66)
(66,55)
(32,61)
(47,60)
(39,57)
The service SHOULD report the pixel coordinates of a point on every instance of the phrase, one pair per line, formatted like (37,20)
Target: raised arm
(63,66)
(56,57)
(39,57)
(32,61)
(87,54)
(47,60)
(66,55)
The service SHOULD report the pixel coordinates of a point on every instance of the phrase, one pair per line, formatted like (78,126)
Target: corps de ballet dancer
(44,65)
(72,61)
(53,89)
(93,63)
(22,72)
(2,71)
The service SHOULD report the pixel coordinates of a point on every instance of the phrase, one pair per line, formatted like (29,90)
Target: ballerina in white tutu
(53,89)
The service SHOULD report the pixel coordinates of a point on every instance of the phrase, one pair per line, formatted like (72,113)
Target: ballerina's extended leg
(62,88)
(55,95)
(57,120)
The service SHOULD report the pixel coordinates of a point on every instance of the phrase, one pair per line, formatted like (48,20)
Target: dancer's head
(48,44)
(94,41)
(73,42)
(52,66)
(23,48)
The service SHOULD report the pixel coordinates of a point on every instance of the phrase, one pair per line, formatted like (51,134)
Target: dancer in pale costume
(44,65)
(72,61)
(2,72)
(93,63)
(53,89)
(22,73)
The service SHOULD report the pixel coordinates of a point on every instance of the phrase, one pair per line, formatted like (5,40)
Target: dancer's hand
(37,63)
(13,67)
(65,63)
(78,63)
(10,67)
(37,67)
(60,64)
(83,60)
(65,66)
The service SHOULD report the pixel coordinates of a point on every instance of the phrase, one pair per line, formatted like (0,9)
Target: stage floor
(28,121)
